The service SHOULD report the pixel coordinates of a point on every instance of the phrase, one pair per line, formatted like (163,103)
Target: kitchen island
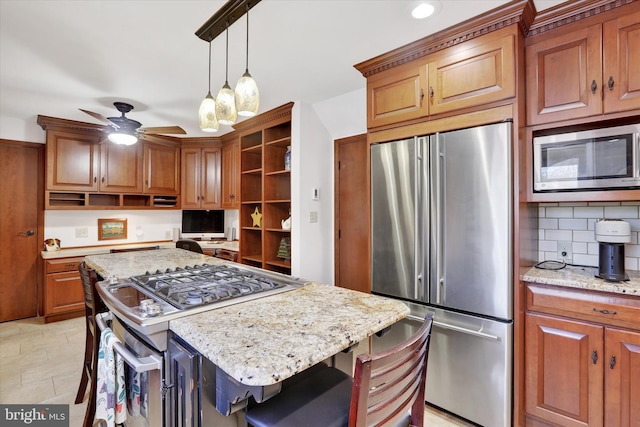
(257,344)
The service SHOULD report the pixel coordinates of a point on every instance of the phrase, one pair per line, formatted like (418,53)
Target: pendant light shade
(226,100)
(247,96)
(207,113)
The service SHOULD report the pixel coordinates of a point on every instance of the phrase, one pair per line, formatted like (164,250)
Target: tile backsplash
(575,222)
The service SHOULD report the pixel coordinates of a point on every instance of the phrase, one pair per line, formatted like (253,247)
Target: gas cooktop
(196,285)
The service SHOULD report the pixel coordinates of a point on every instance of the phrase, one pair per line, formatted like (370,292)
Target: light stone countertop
(98,250)
(265,341)
(584,278)
(126,264)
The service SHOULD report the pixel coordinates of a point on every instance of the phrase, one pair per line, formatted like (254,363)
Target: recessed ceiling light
(423,10)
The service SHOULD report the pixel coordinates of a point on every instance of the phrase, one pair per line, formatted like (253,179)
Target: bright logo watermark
(34,415)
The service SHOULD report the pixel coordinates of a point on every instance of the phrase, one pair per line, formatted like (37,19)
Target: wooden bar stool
(387,390)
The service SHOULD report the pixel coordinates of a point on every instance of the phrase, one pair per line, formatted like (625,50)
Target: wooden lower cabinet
(63,293)
(580,372)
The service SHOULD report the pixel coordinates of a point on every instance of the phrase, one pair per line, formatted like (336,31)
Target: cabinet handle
(431,92)
(95,179)
(612,361)
(421,94)
(604,311)
(594,87)
(610,83)
(594,357)
(70,265)
(103,179)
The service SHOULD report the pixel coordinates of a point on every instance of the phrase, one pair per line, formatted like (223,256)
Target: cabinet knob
(610,83)
(594,357)
(103,179)
(232,196)
(612,361)
(594,87)
(95,179)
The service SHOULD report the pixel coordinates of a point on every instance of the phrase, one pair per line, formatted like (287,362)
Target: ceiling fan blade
(172,130)
(159,140)
(100,117)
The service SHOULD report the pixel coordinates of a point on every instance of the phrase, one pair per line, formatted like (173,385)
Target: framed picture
(112,228)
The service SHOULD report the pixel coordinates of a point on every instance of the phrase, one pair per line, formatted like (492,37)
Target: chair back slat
(389,384)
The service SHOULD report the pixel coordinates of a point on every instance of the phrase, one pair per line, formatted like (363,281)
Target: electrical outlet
(82,232)
(565,251)
(167,235)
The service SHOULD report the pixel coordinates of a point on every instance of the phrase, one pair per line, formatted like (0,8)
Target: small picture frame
(112,228)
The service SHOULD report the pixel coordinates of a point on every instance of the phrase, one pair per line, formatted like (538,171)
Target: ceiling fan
(125,131)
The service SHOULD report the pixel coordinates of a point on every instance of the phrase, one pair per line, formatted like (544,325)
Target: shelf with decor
(265,190)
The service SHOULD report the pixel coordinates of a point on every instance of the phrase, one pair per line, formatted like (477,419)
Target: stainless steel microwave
(595,159)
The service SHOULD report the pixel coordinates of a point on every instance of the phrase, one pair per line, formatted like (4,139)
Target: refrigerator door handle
(466,331)
(437,212)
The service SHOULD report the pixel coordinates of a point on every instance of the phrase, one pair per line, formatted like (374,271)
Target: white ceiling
(58,56)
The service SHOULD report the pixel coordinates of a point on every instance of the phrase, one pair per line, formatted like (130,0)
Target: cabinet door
(63,293)
(191,163)
(211,194)
(397,95)
(564,77)
(563,367)
(622,63)
(72,161)
(120,168)
(161,169)
(481,74)
(622,378)
(231,176)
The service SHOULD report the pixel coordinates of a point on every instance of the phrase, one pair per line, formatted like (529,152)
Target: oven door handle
(139,364)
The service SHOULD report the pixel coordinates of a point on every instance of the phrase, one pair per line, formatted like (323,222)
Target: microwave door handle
(636,157)
(139,364)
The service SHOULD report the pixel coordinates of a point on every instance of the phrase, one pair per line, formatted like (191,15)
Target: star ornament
(257,217)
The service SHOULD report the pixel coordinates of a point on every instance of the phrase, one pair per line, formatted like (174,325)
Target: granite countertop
(98,250)
(584,278)
(265,341)
(126,264)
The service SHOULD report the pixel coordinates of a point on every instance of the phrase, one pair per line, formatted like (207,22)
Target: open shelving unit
(265,186)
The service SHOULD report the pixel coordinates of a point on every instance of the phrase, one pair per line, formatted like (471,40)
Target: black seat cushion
(321,399)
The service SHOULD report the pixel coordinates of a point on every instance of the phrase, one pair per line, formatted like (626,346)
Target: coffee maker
(611,235)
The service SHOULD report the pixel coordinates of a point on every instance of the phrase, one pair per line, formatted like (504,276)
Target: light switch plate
(313,216)
(82,232)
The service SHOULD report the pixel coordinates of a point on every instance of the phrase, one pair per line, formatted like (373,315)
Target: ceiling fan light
(247,96)
(226,106)
(207,114)
(122,138)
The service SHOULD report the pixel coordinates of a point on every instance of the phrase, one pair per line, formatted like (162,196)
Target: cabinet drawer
(596,306)
(62,264)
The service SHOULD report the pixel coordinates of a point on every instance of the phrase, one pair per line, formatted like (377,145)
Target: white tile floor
(41,363)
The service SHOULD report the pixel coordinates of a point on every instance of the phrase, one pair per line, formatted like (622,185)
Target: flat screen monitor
(205,225)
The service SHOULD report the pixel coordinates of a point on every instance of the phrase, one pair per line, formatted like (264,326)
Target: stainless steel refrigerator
(441,216)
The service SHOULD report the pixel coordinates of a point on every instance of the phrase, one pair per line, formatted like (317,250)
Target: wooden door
(352,213)
(191,176)
(622,63)
(211,191)
(622,378)
(563,368)
(21,227)
(72,161)
(476,76)
(564,77)
(231,175)
(120,168)
(161,169)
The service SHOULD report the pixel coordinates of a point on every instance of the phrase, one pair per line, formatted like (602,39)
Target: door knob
(27,233)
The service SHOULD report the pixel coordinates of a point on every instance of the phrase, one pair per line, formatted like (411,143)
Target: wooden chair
(93,305)
(189,245)
(147,248)
(387,390)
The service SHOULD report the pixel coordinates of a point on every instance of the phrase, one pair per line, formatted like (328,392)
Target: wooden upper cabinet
(231,175)
(397,95)
(120,168)
(73,161)
(161,169)
(201,178)
(586,72)
(481,73)
(622,63)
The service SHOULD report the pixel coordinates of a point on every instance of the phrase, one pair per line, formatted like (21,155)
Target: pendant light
(226,100)
(207,112)
(247,96)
